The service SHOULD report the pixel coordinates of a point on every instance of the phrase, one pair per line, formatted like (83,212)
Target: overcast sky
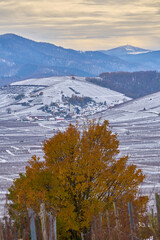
(84,24)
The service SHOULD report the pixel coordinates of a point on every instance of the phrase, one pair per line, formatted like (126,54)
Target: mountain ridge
(22,58)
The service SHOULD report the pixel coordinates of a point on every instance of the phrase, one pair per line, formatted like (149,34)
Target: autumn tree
(80,177)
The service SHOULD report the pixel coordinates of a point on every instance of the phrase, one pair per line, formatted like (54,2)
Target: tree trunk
(52,227)
(117,220)
(43,221)
(82,236)
(32,225)
(55,228)
(108,224)
(1,232)
(131,219)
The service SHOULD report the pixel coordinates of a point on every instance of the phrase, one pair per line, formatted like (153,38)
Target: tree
(80,177)
(9,110)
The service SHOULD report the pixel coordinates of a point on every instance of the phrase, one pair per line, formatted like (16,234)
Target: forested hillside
(21,58)
(132,84)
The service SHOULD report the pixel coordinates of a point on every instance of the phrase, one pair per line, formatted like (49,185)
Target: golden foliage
(81,175)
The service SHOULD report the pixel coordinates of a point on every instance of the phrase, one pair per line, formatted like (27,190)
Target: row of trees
(79,183)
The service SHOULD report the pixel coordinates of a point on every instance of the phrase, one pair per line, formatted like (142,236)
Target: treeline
(77,100)
(132,84)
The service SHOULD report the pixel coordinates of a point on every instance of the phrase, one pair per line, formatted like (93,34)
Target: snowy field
(54,87)
(137,123)
(18,142)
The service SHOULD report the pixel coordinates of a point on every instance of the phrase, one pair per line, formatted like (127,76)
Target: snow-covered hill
(148,105)
(68,86)
(32,110)
(137,124)
(57,97)
(125,50)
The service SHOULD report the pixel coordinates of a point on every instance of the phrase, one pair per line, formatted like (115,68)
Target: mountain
(145,59)
(21,58)
(125,50)
(149,60)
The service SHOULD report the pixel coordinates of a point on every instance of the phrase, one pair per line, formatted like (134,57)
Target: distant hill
(60,97)
(145,59)
(125,50)
(150,60)
(134,84)
(21,58)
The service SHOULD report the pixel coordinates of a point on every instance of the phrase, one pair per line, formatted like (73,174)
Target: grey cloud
(66,14)
(154,3)
(88,20)
(13,8)
(102,31)
(105,2)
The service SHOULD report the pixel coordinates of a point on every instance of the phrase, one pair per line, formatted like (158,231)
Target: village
(60,112)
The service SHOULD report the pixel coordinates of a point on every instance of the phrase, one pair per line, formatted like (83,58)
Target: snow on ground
(41,81)
(28,97)
(19,140)
(137,123)
(56,85)
(9,152)
(149,103)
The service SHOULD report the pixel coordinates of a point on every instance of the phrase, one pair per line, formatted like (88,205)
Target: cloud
(83,23)
(109,2)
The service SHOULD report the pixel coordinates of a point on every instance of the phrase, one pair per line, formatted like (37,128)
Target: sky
(84,24)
